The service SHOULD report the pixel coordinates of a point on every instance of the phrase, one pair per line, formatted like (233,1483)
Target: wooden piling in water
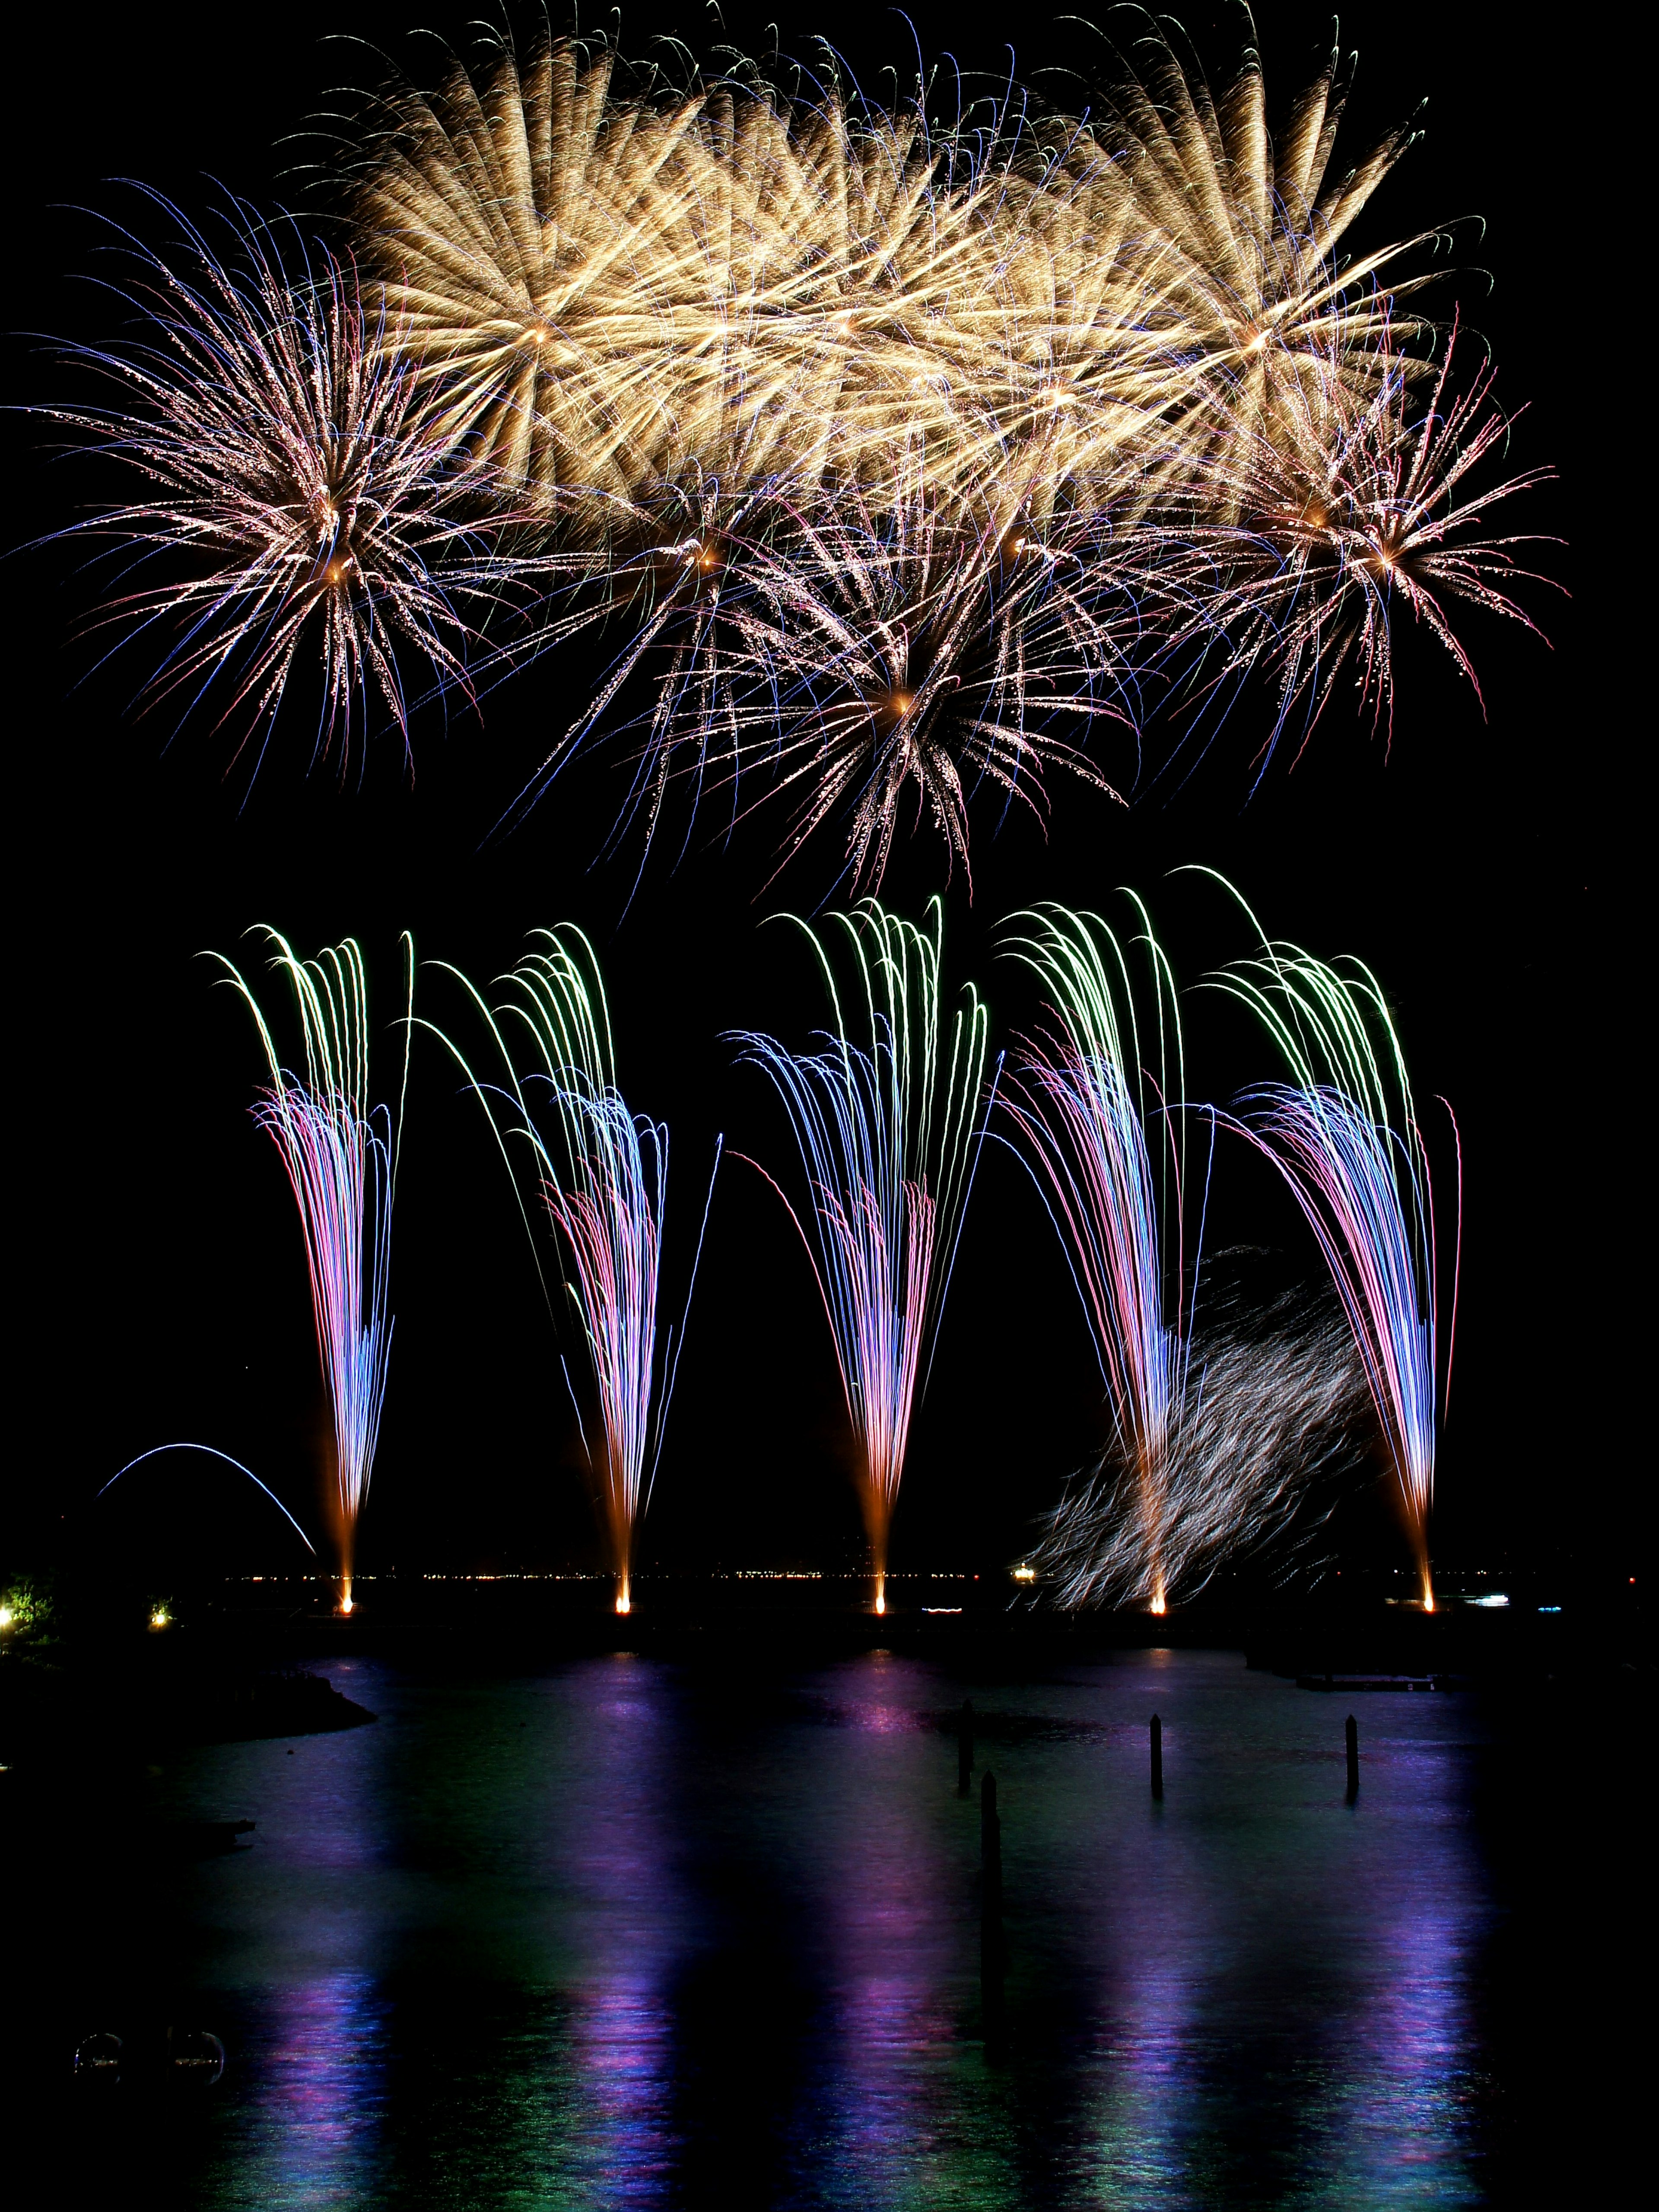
(992,1949)
(1352,1732)
(1157,1759)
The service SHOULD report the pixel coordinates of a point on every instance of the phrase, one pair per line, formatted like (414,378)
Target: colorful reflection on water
(630,1933)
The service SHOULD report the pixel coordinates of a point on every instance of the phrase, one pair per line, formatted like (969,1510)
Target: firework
(787,377)
(889,1117)
(599,285)
(597,1175)
(341,1157)
(1344,509)
(1275,1398)
(1345,1135)
(288,493)
(866,665)
(891,456)
(1100,1102)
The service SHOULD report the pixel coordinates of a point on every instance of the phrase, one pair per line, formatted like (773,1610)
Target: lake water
(627,1933)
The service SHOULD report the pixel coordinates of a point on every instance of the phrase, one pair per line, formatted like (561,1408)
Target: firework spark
(212,1451)
(1345,1135)
(1275,1402)
(341,1155)
(287,492)
(598,1176)
(889,1118)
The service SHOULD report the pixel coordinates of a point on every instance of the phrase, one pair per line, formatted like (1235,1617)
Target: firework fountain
(1343,1134)
(341,1157)
(1101,1102)
(889,1117)
(597,1175)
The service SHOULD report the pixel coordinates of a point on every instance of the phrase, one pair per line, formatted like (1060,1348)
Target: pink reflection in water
(321,2092)
(624,1862)
(895,1928)
(624,2036)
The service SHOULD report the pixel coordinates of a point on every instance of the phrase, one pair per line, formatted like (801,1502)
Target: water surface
(630,1933)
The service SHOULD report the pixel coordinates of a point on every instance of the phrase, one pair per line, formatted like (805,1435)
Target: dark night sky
(159,1288)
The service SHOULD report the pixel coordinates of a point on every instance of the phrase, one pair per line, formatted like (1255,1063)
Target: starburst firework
(290,495)
(763,385)
(1344,510)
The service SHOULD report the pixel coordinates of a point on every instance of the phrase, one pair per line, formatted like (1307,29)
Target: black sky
(158,1284)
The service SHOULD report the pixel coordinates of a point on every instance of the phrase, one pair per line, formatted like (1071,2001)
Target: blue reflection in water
(292,1931)
(1283,1978)
(1395,2130)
